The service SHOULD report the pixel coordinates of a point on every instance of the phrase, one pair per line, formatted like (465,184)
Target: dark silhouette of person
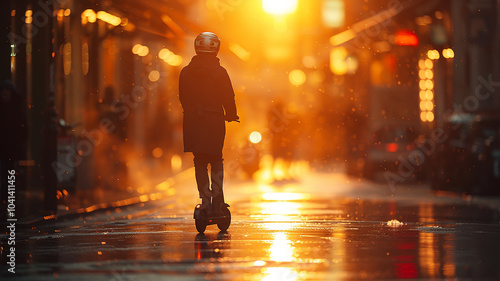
(207,98)
(110,157)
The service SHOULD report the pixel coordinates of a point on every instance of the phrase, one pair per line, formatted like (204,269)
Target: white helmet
(207,42)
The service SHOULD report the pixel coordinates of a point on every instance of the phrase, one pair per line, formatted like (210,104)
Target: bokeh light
(255,137)
(154,76)
(297,77)
(448,53)
(157,152)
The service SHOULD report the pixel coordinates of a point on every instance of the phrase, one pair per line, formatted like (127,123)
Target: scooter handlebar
(237,119)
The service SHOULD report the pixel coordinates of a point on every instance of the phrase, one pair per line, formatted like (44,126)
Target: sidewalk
(99,202)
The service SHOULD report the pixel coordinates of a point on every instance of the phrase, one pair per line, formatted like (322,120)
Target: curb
(163,189)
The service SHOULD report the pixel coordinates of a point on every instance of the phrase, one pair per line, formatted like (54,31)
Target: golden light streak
(239,51)
(173,25)
(364,25)
(85,58)
(109,18)
(49,217)
(281,250)
(279,226)
(427,255)
(67,58)
(342,37)
(163,186)
(280,208)
(280,273)
(285,196)
(259,263)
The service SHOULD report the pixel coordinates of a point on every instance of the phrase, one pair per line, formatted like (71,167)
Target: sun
(279,7)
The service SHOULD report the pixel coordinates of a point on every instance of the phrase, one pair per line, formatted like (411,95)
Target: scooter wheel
(201,222)
(224,224)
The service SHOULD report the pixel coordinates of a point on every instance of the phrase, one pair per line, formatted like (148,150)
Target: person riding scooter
(207,98)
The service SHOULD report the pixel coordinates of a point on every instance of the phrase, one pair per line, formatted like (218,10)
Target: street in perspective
(322,227)
(250,140)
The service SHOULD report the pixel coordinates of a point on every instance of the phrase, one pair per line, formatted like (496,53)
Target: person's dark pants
(207,190)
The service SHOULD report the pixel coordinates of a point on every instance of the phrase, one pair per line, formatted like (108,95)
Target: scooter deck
(202,220)
(215,220)
(197,212)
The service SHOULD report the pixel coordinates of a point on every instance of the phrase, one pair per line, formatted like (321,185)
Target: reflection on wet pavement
(299,237)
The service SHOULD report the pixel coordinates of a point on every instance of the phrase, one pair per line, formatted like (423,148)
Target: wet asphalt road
(324,227)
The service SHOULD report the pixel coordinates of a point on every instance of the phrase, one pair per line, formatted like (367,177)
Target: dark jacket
(206,94)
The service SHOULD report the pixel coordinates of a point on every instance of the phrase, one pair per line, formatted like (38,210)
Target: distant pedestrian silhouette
(207,98)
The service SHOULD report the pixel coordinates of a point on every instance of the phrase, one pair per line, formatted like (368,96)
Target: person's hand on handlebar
(235,118)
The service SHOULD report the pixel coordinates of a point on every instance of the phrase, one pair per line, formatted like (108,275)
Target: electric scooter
(201,218)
